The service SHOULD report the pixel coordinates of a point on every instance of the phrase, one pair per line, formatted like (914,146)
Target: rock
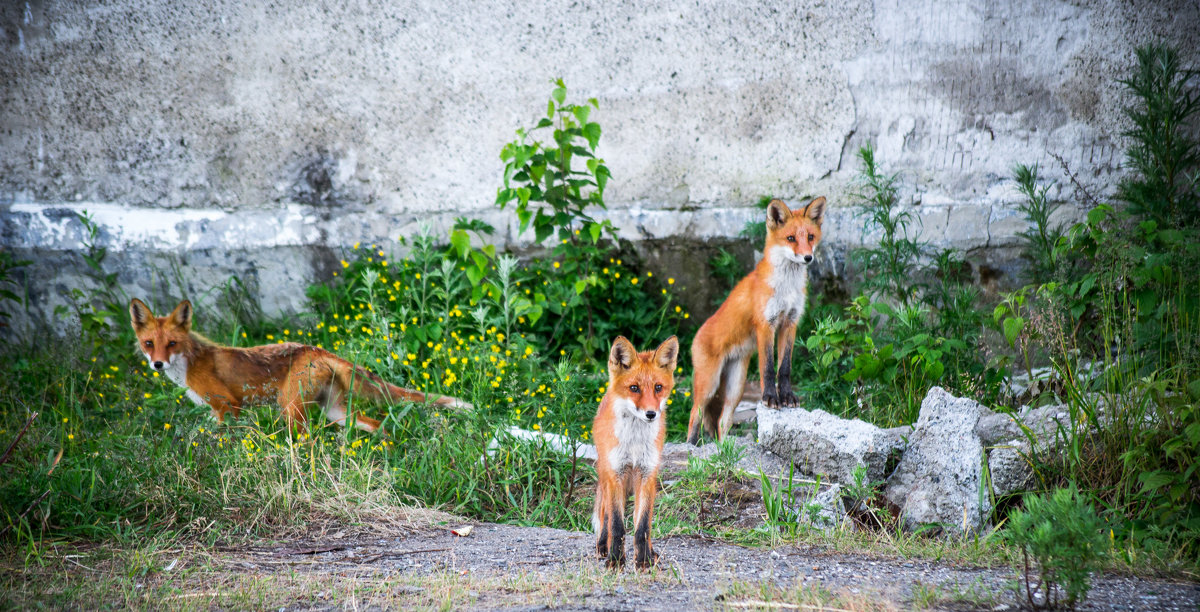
(752,458)
(940,476)
(824,509)
(555,442)
(820,443)
(1008,466)
(994,427)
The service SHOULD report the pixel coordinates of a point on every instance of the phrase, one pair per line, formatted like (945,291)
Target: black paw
(616,561)
(787,397)
(770,397)
(645,563)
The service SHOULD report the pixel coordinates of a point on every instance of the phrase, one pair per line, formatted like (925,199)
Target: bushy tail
(364,384)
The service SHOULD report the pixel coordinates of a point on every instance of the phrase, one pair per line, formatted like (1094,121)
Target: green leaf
(550,108)
(1157,479)
(591,132)
(460,242)
(580,286)
(474,275)
(1012,327)
(594,231)
(581,113)
(559,94)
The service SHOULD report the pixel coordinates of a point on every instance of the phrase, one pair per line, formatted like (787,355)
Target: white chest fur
(788,280)
(176,370)
(637,440)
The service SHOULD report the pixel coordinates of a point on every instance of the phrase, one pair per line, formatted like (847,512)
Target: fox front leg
(787,340)
(766,366)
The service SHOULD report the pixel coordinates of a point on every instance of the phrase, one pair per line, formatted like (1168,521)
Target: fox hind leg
(707,390)
(733,382)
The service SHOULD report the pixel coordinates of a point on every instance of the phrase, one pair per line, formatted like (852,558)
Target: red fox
(762,310)
(225,378)
(629,430)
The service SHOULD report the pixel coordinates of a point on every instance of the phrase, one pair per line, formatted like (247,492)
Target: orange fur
(760,314)
(227,378)
(629,429)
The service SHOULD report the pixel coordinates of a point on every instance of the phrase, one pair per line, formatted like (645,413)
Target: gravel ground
(694,573)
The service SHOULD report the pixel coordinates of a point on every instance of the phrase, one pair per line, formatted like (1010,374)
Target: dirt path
(504,566)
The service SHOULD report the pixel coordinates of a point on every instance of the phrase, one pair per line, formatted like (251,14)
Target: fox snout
(650,415)
(158,365)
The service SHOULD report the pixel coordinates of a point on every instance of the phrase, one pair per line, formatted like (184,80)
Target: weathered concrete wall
(258,139)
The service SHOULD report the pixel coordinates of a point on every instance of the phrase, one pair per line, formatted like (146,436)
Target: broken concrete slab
(939,479)
(821,443)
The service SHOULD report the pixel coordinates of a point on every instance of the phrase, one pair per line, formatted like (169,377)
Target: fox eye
(791,238)
(810,237)
(150,343)
(171,343)
(634,389)
(658,388)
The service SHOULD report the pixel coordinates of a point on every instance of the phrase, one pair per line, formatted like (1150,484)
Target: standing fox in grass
(762,310)
(225,378)
(629,430)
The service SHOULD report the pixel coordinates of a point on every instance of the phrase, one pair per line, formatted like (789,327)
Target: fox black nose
(650,414)
(158,365)
(807,258)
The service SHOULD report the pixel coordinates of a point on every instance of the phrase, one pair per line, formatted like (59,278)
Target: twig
(756,603)
(1088,198)
(36,502)
(4,457)
(308,551)
(68,558)
(399,554)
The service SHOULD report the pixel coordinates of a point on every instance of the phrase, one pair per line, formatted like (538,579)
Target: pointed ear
(182,315)
(621,356)
(667,353)
(139,314)
(816,210)
(777,214)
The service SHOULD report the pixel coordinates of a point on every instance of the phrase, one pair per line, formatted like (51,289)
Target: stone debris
(821,443)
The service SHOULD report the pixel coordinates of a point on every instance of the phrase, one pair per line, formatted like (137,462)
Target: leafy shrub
(1041,240)
(1162,153)
(8,264)
(1125,307)
(915,323)
(590,288)
(1064,539)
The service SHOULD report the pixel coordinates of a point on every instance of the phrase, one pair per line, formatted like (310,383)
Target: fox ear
(139,314)
(667,353)
(182,315)
(777,214)
(816,210)
(621,356)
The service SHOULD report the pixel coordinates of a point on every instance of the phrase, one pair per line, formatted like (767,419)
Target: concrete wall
(259,139)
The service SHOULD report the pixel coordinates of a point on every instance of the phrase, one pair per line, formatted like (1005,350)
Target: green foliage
(8,264)
(914,325)
(1163,154)
(1119,325)
(541,175)
(888,270)
(585,289)
(725,270)
(101,312)
(1041,240)
(1064,538)
(755,232)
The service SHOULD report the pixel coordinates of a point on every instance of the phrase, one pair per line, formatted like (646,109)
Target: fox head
(162,339)
(641,382)
(793,236)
